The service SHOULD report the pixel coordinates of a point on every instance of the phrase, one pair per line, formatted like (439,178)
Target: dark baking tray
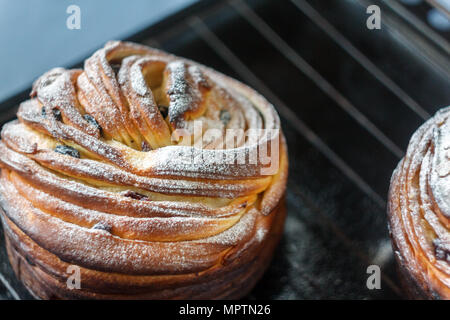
(349,99)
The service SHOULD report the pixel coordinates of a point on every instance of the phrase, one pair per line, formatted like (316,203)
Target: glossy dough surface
(97,173)
(419,211)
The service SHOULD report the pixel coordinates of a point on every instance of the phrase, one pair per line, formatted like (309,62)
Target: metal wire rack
(349,99)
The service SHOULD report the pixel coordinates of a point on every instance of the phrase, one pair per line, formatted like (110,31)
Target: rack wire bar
(419,25)
(416,42)
(316,77)
(438,5)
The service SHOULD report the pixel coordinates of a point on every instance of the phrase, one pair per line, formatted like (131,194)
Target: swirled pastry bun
(419,211)
(124,174)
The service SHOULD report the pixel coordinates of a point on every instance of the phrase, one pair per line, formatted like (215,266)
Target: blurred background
(35,37)
(349,98)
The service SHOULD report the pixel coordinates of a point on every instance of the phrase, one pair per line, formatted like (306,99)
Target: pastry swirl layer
(106,169)
(419,210)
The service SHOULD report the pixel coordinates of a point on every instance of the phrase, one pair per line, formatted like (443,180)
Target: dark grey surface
(349,100)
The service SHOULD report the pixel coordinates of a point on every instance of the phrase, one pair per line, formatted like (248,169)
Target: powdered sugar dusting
(193,204)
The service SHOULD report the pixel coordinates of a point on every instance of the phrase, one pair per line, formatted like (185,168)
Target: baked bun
(419,211)
(125,172)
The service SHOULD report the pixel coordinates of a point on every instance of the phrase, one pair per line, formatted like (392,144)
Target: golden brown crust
(95,174)
(45,275)
(419,215)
